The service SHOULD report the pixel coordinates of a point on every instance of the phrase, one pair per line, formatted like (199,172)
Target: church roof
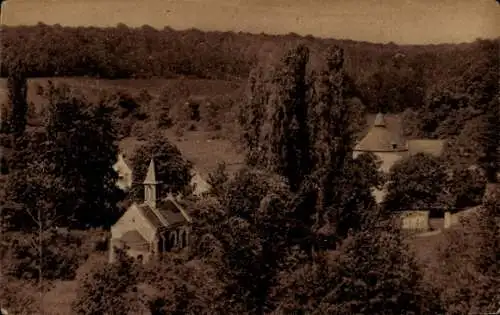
(167,213)
(381,139)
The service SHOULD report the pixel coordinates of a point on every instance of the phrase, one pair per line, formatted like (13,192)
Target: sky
(399,21)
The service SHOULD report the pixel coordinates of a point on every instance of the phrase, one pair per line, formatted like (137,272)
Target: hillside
(388,76)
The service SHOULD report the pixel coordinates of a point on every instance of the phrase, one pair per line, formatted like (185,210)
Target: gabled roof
(428,146)
(381,139)
(150,215)
(167,213)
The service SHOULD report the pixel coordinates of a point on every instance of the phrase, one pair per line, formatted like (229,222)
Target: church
(154,226)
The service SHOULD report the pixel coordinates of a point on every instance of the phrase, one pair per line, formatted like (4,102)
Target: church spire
(151,175)
(150,186)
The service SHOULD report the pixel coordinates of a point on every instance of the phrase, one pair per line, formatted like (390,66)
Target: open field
(199,148)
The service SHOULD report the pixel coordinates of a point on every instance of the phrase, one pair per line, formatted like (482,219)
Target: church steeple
(151,185)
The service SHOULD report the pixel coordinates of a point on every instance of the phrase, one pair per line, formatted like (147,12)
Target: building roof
(381,139)
(428,146)
(167,213)
(150,215)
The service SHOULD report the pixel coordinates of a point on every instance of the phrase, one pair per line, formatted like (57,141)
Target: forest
(296,229)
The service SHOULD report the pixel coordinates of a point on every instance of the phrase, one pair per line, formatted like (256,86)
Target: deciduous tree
(17,85)
(171,167)
(417,182)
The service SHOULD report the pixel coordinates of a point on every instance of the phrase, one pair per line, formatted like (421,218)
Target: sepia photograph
(249,157)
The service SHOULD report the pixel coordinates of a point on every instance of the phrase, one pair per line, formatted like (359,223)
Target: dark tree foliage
(332,140)
(217,179)
(417,182)
(244,236)
(489,159)
(182,287)
(110,289)
(372,272)
(172,169)
(287,141)
(470,262)
(80,152)
(386,72)
(396,85)
(466,188)
(455,96)
(71,171)
(17,86)
(307,136)
(252,115)
(61,257)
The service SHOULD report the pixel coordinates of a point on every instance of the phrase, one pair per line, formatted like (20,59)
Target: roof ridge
(181,208)
(160,216)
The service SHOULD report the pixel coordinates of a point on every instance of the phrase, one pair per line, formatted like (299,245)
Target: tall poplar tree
(490,141)
(342,187)
(288,138)
(17,85)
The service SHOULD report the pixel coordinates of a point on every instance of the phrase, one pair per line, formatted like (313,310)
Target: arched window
(185,238)
(181,238)
(173,239)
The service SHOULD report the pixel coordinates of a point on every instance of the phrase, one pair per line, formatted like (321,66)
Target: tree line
(391,77)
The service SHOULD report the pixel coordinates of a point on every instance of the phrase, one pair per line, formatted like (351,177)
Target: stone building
(389,146)
(154,226)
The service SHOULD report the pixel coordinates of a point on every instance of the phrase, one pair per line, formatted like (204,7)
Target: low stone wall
(417,221)
(452,219)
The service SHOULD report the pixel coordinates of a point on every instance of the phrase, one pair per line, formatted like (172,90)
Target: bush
(62,254)
(164,120)
(18,297)
(110,289)
(142,130)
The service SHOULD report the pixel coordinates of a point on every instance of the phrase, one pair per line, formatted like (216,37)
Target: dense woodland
(296,230)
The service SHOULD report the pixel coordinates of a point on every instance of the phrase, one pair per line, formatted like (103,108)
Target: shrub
(110,289)
(142,130)
(61,256)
